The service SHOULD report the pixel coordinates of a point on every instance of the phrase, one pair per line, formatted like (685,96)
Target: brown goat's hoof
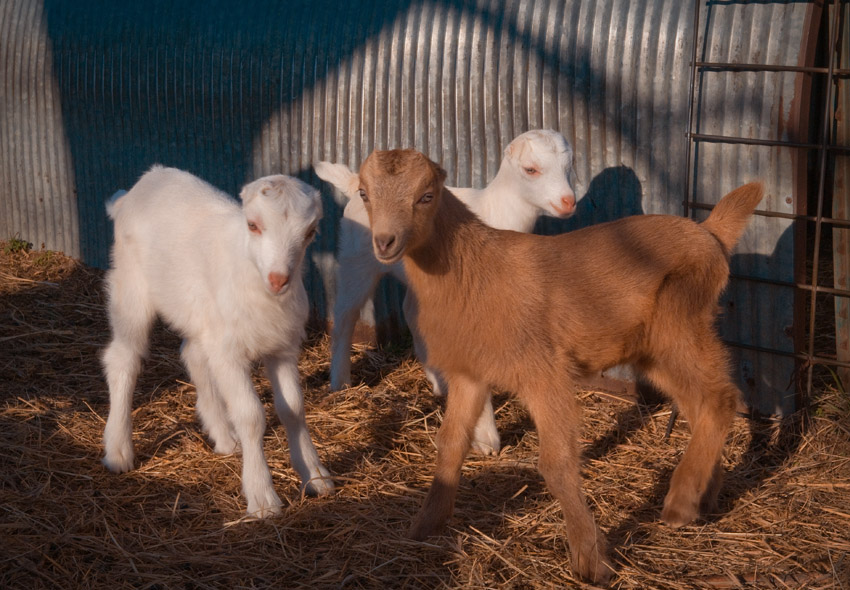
(679,514)
(594,567)
(421,530)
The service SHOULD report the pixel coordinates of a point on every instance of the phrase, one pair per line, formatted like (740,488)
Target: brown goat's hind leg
(463,407)
(703,391)
(557,417)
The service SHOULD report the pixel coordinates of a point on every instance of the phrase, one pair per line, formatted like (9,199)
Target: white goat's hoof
(225,446)
(340,384)
(340,378)
(264,504)
(489,448)
(119,461)
(485,439)
(320,485)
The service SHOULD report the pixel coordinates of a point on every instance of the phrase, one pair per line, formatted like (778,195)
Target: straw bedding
(175,521)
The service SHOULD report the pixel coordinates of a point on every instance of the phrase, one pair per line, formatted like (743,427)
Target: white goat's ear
(252,189)
(517,147)
(340,176)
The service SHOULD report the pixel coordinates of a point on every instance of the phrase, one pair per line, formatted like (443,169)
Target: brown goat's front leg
(463,407)
(556,414)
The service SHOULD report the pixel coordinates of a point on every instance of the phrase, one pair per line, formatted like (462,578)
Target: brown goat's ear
(441,174)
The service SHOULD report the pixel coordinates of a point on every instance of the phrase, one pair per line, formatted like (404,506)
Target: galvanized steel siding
(94,92)
(37,188)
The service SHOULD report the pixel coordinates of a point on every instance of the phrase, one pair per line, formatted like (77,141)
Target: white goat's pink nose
(277,281)
(566,205)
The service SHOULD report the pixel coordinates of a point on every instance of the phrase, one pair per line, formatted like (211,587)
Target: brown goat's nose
(277,281)
(383,242)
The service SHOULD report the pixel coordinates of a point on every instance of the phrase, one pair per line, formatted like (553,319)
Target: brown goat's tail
(730,216)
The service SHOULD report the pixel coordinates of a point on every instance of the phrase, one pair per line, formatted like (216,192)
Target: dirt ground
(176,520)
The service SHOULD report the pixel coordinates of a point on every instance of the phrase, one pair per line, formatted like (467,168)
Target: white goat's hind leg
(121,362)
(210,407)
(248,417)
(289,404)
(485,437)
(356,280)
(131,320)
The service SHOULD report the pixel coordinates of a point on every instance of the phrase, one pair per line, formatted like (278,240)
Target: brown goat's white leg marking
(557,416)
(463,406)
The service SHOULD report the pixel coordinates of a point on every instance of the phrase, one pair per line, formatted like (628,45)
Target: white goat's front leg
(212,412)
(249,422)
(289,403)
(356,280)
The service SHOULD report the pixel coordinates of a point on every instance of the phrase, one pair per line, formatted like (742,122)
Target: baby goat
(533,179)
(228,279)
(532,314)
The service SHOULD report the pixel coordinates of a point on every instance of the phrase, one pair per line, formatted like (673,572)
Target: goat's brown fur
(531,314)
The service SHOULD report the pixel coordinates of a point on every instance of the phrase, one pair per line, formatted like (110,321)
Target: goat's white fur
(533,179)
(184,251)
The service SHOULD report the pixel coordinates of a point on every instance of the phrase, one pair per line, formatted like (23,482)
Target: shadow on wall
(614,193)
(187,84)
(754,309)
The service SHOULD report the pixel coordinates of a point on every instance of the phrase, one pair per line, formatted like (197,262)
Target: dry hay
(174,522)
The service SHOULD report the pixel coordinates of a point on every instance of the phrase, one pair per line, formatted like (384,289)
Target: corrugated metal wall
(94,92)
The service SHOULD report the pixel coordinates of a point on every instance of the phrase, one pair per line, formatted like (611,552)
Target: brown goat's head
(401,190)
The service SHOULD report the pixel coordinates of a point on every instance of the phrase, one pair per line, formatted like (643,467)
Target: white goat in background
(228,280)
(533,180)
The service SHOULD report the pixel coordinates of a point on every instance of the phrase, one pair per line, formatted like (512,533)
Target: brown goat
(532,314)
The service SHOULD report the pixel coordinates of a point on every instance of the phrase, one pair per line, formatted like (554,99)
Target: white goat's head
(281,217)
(402,190)
(542,162)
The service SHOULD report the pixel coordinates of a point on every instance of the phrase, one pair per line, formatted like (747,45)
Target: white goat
(533,179)
(228,279)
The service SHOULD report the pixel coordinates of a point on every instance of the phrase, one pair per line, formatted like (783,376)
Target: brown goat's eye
(426,198)
(254,228)
(363,196)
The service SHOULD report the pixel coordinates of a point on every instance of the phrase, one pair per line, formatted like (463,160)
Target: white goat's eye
(426,198)
(363,196)
(253,228)
(531,170)
(310,234)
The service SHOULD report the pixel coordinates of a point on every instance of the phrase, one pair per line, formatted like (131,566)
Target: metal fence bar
(801,286)
(826,134)
(765,142)
(742,67)
(792,216)
(801,356)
